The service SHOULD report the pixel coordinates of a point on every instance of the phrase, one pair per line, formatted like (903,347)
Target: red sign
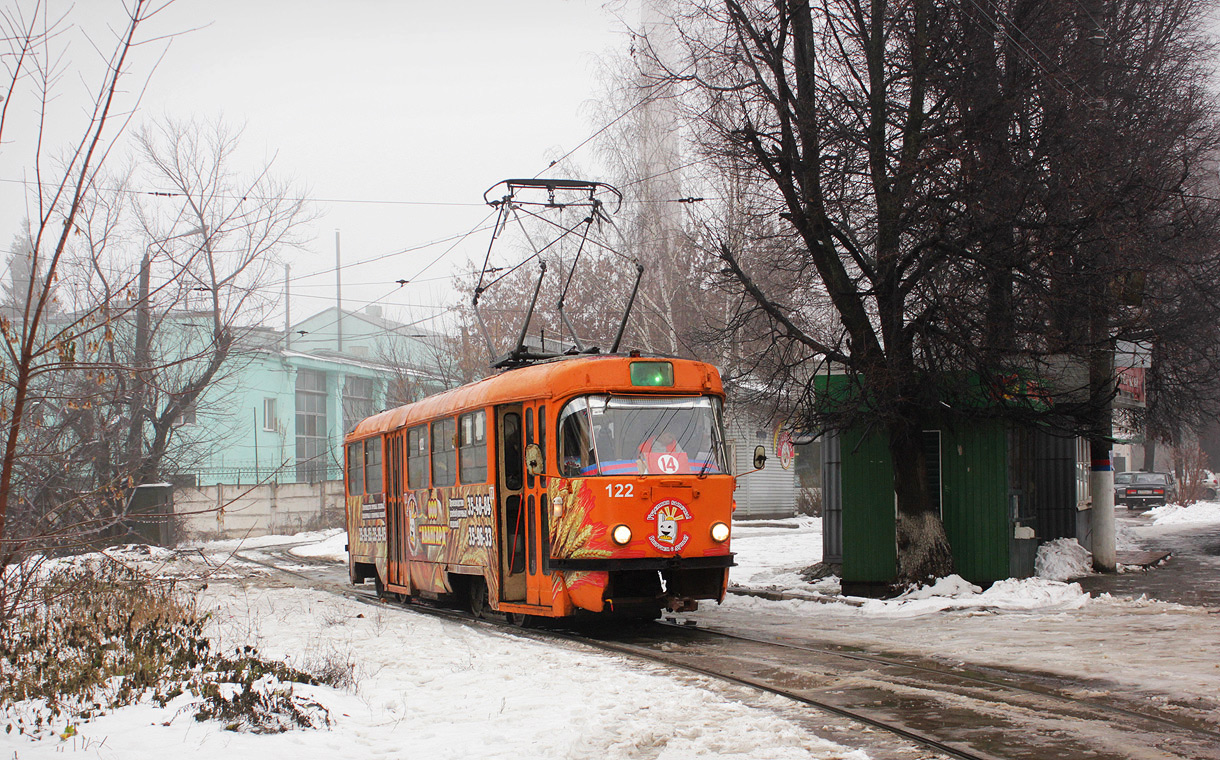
(1131,383)
(671,463)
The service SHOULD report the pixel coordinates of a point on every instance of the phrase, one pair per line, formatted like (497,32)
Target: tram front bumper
(643,563)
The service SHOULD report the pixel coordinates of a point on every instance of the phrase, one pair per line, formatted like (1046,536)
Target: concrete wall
(213,512)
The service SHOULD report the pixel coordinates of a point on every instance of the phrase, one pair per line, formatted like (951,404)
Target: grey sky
(382,102)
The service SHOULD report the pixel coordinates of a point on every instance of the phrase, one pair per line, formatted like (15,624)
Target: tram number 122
(620,490)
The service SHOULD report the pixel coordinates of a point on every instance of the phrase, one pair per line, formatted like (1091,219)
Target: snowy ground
(1141,646)
(433,689)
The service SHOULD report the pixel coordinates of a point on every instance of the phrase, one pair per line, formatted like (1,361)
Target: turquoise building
(280,410)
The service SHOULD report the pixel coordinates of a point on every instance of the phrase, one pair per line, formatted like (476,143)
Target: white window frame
(271,422)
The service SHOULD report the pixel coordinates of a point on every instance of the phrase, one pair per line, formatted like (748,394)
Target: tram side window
(417,457)
(372,465)
(472,451)
(444,455)
(355,469)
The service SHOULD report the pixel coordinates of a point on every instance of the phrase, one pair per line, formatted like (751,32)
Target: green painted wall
(974,467)
(869,550)
(974,482)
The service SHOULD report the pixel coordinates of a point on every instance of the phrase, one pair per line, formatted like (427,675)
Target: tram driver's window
(417,457)
(444,453)
(575,443)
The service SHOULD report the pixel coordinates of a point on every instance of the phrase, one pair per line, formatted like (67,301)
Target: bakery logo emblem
(431,533)
(668,515)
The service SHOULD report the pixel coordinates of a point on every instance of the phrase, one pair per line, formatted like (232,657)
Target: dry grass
(93,638)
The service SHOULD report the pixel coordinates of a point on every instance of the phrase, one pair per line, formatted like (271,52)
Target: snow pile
(773,555)
(1176,514)
(953,593)
(333,548)
(258,542)
(1062,559)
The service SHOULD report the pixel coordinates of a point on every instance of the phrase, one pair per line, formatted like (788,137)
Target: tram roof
(559,378)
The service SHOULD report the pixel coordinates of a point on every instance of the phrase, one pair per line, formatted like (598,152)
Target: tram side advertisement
(447,527)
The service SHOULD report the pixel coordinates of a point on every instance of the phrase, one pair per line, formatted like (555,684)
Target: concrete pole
(338,297)
(1101,345)
(287,307)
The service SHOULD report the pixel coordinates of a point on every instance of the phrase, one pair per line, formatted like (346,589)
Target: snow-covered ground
(434,689)
(1140,645)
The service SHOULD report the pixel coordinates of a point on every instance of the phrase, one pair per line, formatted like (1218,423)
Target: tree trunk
(923,547)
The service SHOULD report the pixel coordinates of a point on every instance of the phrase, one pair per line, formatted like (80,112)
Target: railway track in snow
(964,712)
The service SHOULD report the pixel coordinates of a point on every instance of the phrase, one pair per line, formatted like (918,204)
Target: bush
(95,637)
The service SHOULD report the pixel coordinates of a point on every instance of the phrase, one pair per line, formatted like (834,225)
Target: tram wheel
(379,586)
(520,620)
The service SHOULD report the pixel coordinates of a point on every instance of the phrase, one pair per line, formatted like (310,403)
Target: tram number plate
(620,490)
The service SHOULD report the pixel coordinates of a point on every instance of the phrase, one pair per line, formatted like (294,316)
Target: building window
(270,420)
(359,400)
(313,451)
(472,449)
(443,453)
(417,457)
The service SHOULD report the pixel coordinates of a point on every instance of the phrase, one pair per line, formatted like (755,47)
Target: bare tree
(929,185)
(234,228)
(32,349)
(138,308)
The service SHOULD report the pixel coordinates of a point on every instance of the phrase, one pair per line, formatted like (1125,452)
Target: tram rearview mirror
(760,457)
(534,463)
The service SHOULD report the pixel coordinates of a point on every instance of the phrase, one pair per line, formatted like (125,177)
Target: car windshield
(1150,479)
(630,435)
(1122,478)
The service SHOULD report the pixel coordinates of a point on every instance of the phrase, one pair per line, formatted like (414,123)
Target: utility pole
(338,297)
(135,433)
(287,307)
(1100,342)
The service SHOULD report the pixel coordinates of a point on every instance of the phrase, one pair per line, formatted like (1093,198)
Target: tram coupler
(679,604)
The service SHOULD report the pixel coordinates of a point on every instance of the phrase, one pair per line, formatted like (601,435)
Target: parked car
(1121,481)
(1211,485)
(1142,489)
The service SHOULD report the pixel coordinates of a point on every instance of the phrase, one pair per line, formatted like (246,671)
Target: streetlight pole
(143,352)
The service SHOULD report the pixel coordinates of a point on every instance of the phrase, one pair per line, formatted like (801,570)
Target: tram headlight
(720,532)
(621,535)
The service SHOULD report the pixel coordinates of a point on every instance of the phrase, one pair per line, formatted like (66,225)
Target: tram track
(963,712)
(957,711)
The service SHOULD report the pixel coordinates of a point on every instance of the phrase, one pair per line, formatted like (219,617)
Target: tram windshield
(648,435)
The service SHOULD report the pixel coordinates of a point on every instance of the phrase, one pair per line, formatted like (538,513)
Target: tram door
(537,533)
(396,538)
(510,503)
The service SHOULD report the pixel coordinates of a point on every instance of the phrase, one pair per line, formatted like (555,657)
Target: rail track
(961,712)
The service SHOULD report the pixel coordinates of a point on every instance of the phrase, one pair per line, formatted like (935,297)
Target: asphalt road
(1191,575)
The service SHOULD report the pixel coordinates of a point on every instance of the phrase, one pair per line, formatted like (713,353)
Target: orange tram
(588,485)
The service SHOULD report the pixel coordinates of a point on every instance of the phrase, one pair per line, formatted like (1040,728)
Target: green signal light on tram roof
(654,374)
